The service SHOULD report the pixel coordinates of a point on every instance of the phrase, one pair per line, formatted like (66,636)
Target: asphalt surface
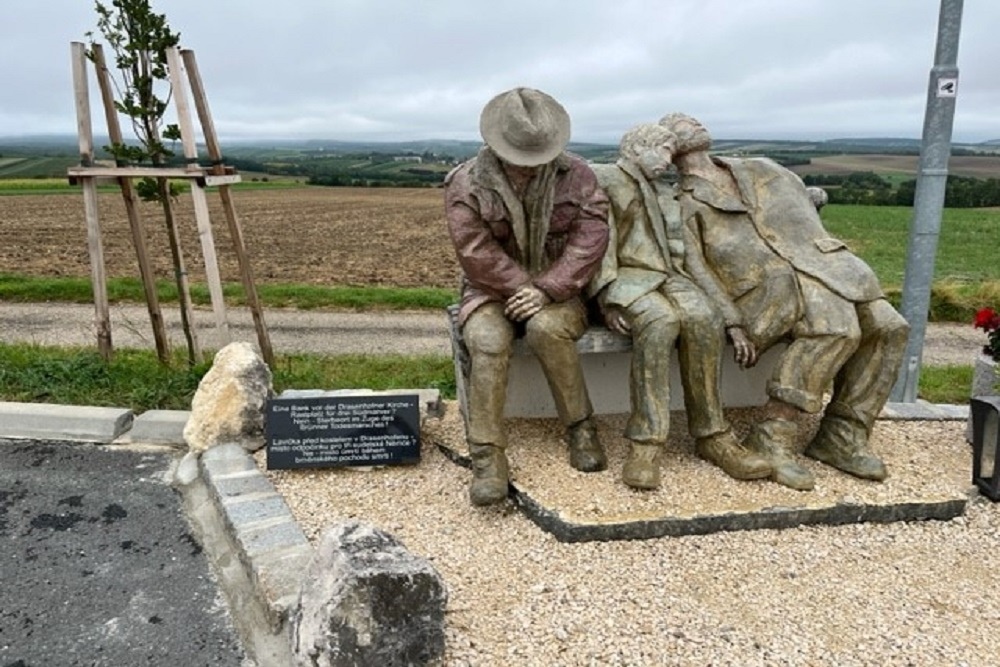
(99,565)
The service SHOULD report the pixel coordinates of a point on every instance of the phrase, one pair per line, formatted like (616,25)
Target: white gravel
(919,593)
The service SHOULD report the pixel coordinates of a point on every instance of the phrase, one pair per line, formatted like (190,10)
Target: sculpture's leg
(860,390)
(701,344)
(488,335)
(823,340)
(552,334)
(655,325)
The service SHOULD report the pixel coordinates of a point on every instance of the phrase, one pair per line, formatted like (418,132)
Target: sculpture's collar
(706,191)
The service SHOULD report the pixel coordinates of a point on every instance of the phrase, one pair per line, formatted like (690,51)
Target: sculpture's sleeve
(703,275)
(607,272)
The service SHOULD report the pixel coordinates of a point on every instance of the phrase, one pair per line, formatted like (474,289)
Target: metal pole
(928,201)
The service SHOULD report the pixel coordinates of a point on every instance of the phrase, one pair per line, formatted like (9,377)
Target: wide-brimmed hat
(525,127)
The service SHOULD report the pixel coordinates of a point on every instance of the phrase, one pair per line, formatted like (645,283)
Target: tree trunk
(180,273)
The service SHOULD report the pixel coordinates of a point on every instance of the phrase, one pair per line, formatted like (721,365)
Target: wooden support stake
(235,229)
(132,209)
(102,317)
(198,194)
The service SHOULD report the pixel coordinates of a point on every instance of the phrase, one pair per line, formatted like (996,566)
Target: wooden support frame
(88,175)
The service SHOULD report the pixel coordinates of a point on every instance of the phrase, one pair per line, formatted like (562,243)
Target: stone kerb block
(229,403)
(366,600)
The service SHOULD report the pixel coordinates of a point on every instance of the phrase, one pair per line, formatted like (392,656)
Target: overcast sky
(421,69)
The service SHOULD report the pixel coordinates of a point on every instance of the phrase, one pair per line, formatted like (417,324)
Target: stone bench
(605,357)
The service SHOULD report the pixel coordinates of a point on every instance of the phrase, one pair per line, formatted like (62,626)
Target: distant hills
(452,150)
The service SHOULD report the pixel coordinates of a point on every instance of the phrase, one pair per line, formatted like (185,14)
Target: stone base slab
(929,464)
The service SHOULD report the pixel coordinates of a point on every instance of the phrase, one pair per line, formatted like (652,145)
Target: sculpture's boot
(843,444)
(585,451)
(725,450)
(775,439)
(642,467)
(490,474)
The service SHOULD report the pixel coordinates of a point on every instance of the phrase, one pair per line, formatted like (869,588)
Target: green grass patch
(135,379)
(880,236)
(28,289)
(946,384)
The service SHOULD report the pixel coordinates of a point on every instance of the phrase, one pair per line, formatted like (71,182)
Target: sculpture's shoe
(725,451)
(585,451)
(775,439)
(490,475)
(844,445)
(642,467)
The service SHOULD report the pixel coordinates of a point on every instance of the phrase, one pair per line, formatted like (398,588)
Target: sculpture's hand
(614,319)
(525,302)
(745,351)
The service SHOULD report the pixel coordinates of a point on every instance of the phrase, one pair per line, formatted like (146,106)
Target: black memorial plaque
(331,431)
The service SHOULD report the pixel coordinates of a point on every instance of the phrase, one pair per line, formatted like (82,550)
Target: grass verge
(134,379)
(32,289)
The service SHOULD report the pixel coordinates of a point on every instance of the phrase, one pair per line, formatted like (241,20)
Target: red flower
(987,320)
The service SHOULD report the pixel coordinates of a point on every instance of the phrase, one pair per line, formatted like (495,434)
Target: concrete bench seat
(605,357)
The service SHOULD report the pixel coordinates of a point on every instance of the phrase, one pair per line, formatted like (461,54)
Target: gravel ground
(918,593)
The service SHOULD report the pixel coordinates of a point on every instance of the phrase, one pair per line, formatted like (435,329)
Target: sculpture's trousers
(856,346)
(679,313)
(551,334)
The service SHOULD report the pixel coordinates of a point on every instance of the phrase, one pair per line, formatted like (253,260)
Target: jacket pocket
(830,244)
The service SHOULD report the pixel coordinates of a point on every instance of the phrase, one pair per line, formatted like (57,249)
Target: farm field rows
(959,165)
(388,237)
(308,235)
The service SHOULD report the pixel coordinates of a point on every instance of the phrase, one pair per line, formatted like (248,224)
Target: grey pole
(928,201)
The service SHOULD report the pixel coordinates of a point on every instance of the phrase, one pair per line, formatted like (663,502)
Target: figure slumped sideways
(529,226)
(645,292)
(755,244)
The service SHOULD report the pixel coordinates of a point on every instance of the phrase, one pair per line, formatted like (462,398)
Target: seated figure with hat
(529,226)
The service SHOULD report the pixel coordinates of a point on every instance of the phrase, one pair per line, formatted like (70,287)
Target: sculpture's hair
(643,136)
(685,136)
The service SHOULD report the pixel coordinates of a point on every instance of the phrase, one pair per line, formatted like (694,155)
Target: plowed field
(325,236)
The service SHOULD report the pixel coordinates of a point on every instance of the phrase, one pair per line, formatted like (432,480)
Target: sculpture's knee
(547,326)
(480,338)
(880,318)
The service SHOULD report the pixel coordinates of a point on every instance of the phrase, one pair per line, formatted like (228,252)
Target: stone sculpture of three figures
(733,251)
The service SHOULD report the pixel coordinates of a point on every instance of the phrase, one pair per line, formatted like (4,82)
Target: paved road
(99,566)
(323,332)
(340,332)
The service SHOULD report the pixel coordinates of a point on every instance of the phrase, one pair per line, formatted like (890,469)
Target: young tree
(139,39)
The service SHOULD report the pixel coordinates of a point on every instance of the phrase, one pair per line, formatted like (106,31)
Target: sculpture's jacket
(646,243)
(735,245)
(500,251)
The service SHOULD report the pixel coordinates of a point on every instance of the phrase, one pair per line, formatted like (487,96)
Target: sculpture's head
(525,127)
(692,136)
(650,146)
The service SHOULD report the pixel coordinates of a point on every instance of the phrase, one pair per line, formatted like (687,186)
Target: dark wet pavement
(98,565)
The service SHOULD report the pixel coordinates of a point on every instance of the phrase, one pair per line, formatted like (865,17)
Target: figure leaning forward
(529,225)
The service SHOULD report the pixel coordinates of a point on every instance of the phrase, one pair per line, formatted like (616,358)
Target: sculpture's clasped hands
(525,302)
(744,351)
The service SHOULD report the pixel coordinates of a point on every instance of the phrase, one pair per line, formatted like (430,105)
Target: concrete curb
(44,421)
(269,543)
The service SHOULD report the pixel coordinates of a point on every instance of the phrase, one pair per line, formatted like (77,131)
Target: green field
(880,235)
